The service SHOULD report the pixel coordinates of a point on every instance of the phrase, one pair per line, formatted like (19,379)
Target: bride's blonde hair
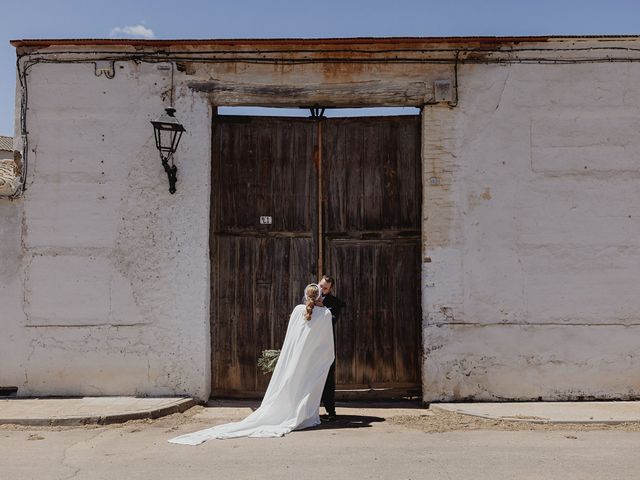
(311,293)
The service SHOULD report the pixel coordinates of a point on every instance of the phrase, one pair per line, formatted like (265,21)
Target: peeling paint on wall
(530,203)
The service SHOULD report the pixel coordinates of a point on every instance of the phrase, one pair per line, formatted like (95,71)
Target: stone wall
(104,273)
(534,235)
(531,223)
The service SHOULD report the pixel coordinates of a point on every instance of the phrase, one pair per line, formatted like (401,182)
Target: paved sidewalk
(105,410)
(548,412)
(87,410)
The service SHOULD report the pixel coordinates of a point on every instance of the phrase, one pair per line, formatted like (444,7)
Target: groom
(335,305)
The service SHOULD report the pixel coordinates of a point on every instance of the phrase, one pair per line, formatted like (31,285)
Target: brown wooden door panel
(371,234)
(378,334)
(373,195)
(372,174)
(257,280)
(261,167)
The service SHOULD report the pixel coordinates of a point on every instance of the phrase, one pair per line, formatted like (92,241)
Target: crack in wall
(504,86)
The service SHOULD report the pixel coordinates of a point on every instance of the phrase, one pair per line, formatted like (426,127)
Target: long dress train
(292,399)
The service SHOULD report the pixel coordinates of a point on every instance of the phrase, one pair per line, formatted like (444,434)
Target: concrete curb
(177,406)
(528,419)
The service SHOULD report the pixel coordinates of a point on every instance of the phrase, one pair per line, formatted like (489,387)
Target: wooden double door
(294,198)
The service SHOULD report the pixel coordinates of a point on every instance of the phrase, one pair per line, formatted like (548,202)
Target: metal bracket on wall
(317,112)
(106,68)
(442,91)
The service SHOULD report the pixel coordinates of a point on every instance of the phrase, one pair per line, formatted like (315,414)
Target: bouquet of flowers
(267,361)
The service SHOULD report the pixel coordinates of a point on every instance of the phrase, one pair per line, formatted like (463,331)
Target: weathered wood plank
(371,93)
(260,167)
(264,166)
(377,185)
(373,234)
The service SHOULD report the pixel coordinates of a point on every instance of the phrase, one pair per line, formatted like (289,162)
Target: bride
(293,396)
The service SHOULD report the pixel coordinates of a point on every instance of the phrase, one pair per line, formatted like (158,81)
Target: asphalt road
(364,447)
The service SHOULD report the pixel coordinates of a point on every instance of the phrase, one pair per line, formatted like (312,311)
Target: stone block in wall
(70,290)
(585,142)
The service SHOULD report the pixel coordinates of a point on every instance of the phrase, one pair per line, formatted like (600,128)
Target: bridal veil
(292,399)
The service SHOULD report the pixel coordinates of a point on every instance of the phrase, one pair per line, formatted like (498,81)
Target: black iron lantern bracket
(172,173)
(168,131)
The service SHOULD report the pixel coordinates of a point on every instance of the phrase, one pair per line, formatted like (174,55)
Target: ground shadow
(342,421)
(348,421)
(255,403)
(405,404)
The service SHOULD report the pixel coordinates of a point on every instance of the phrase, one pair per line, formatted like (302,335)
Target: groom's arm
(334,304)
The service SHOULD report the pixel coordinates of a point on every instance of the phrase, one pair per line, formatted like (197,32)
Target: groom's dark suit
(329,393)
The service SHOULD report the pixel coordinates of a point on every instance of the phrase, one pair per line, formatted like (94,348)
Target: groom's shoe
(329,417)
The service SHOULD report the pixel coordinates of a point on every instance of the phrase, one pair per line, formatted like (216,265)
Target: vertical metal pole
(320,210)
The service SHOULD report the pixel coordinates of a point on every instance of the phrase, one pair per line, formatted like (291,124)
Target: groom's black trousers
(329,392)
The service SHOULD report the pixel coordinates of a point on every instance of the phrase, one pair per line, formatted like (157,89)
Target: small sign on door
(266,220)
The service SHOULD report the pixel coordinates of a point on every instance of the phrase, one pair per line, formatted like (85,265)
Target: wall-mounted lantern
(168,130)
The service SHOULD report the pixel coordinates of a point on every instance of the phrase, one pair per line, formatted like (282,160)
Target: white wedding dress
(292,399)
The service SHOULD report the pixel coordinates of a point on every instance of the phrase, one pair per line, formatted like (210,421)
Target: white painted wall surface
(534,286)
(532,230)
(104,273)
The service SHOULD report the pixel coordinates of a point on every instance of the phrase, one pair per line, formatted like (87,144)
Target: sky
(164,19)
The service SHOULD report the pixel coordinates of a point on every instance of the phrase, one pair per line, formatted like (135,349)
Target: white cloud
(137,31)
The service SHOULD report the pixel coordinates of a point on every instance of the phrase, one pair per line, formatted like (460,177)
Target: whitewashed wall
(531,234)
(533,290)
(104,273)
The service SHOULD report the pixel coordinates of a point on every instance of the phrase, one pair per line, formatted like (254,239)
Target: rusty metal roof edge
(307,41)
